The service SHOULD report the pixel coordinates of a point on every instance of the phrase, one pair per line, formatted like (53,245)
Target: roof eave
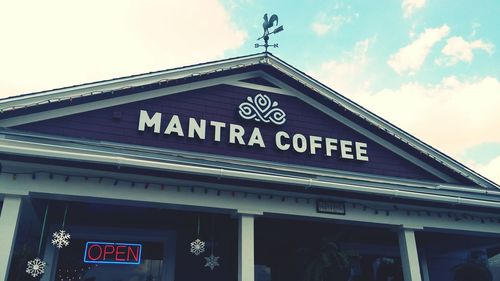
(379,122)
(260,58)
(134,80)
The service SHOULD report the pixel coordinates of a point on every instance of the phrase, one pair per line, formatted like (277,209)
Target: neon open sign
(114,253)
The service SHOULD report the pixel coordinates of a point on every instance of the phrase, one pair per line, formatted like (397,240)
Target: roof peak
(213,67)
(264,55)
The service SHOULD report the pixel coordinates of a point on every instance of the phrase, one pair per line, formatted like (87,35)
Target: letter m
(146,121)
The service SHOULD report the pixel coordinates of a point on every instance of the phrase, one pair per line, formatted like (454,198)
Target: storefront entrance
(297,250)
(151,267)
(125,243)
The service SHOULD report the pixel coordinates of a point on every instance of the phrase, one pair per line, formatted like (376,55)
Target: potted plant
(324,260)
(475,269)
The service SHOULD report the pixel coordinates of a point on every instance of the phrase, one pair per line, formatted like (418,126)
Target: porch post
(425,268)
(409,254)
(9,218)
(245,247)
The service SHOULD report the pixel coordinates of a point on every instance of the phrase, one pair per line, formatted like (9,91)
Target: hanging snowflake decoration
(197,247)
(60,239)
(212,261)
(36,267)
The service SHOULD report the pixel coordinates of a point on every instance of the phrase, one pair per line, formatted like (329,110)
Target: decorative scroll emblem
(261,109)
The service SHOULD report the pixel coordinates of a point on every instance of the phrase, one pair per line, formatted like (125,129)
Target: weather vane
(268,23)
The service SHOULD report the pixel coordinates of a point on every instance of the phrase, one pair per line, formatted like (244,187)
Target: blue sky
(318,32)
(430,67)
(383,20)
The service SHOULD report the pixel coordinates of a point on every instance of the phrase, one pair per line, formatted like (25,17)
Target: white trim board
(274,62)
(82,190)
(136,80)
(381,123)
(334,115)
(231,80)
(51,151)
(69,110)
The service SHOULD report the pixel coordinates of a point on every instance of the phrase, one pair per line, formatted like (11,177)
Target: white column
(424,267)
(9,218)
(245,247)
(409,254)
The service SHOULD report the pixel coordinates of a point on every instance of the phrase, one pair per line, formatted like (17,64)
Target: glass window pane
(293,250)
(153,228)
(459,257)
(71,265)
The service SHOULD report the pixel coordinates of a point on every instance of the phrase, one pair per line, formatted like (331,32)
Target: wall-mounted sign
(330,207)
(260,109)
(113,253)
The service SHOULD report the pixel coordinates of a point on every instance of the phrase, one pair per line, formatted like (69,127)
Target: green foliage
(472,272)
(325,261)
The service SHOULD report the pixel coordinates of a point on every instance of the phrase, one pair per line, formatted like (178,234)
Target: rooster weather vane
(268,23)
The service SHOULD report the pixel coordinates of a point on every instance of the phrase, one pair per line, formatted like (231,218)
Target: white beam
(409,254)
(122,160)
(119,100)
(424,266)
(9,218)
(245,247)
(77,188)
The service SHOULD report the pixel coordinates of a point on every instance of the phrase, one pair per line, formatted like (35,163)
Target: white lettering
(299,143)
(256,138)
(217,129)
(154,121)
(361,153)
(236,132)
(198,128)
(174,126)
(346,149)
(279,136)
(330,144)
(315,143)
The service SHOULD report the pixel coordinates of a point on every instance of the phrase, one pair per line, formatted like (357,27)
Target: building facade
(241,169)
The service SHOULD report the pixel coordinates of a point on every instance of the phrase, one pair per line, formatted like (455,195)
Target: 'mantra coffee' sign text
(236,134)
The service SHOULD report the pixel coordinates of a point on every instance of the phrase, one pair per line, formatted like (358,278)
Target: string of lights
(376,210)
(380,127)
(160,82)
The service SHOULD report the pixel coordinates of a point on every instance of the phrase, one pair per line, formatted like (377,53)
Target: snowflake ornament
(36,267)
(197,247)
(212,261)
(60,239)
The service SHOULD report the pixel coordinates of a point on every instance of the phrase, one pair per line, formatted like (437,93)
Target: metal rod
(64,218)
(43,229)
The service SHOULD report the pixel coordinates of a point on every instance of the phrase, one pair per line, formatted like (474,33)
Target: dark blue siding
(220,103)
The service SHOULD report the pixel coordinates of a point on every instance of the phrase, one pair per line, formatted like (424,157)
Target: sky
(430,67)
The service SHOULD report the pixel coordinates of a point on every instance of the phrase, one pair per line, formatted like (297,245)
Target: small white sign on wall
(330,207)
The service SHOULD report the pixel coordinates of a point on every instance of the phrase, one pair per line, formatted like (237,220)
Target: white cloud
(410,6)
(475,28)
(412,32)
(325,24)
(349,74)
(452,115)
(490,170)
(457,49)
(321,28)
(48,44)
(411,57)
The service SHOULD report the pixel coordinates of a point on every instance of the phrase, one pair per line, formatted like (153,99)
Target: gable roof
(17,107)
